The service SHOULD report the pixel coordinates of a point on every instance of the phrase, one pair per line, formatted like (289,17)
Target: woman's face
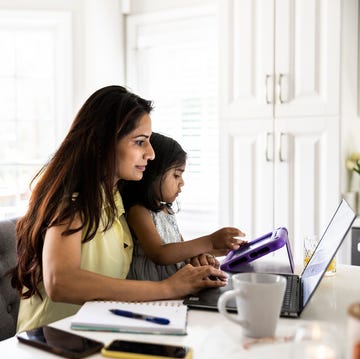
(133,152)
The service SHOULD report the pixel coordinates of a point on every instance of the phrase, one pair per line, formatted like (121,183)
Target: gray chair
(9,298)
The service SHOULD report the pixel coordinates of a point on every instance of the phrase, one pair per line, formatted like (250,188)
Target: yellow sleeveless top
(108,253)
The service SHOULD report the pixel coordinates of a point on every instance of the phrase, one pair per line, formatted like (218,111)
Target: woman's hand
(205,259)
(190,279)
(227,237)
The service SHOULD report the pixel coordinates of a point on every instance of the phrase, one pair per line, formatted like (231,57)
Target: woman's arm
(142,224)
(65,281)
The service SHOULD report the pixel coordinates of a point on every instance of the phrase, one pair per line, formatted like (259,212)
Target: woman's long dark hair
(147,191)
(83,165)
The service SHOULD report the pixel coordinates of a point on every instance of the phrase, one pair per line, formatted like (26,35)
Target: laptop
(299,288)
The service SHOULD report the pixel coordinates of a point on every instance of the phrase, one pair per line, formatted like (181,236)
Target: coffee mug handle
(223,299)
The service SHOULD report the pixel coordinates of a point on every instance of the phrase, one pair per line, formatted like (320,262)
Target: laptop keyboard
(292,283)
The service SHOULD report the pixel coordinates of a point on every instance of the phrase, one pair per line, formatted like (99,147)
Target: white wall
(350,120)
(350,105)
(103,54)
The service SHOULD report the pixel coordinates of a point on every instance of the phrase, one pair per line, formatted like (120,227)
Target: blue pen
(148,318)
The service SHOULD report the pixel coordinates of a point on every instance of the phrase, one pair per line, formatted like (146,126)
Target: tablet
(259,247)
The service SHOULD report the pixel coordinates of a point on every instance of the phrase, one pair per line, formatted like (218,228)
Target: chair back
(9,297)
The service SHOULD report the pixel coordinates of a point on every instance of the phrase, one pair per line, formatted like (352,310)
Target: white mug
(259,297)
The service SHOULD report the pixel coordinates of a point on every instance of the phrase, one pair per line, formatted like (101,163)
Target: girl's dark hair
(77,180)
(168,154)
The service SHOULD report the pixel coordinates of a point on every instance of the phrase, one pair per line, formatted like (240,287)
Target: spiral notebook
(96,315)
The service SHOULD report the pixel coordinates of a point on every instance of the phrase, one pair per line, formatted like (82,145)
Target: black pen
(148,318)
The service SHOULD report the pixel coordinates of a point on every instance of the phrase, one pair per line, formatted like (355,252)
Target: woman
(74,244)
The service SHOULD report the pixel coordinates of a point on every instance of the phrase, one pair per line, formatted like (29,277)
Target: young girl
(159,249)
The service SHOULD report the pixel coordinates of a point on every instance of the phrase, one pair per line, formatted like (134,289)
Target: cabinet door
(306,185)
(246,175)
(307,57)
(246,54)
(292,183)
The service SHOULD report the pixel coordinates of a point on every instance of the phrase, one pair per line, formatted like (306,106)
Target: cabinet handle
(281,157)
(281,76)
(267,156)
(267,99)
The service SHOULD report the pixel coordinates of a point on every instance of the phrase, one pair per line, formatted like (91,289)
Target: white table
(212,336)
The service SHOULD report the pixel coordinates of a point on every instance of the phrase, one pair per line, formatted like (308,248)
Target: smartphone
(139,350)
(60,342)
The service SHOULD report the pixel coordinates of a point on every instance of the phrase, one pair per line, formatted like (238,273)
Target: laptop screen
(326,249)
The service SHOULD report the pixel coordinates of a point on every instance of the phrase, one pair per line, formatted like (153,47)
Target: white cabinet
(283,53)
(279,115)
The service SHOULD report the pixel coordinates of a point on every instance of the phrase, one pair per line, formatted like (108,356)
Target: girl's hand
(190,279)
(227,237)
(205,259)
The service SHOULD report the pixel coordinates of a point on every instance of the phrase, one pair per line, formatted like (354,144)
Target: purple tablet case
(257,248)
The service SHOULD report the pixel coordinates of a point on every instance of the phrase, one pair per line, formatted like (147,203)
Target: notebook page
(96,315)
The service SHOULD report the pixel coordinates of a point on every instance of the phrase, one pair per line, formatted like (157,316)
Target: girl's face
(171,183)
(134,151)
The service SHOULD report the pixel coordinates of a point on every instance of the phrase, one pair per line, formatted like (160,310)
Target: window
(34,98)
(171,59)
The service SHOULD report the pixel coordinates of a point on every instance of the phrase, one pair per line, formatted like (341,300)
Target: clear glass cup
(315,340)
(310,243)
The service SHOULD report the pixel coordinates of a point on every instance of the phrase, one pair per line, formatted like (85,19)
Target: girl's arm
(204,259)
(65,281)
(141,222)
